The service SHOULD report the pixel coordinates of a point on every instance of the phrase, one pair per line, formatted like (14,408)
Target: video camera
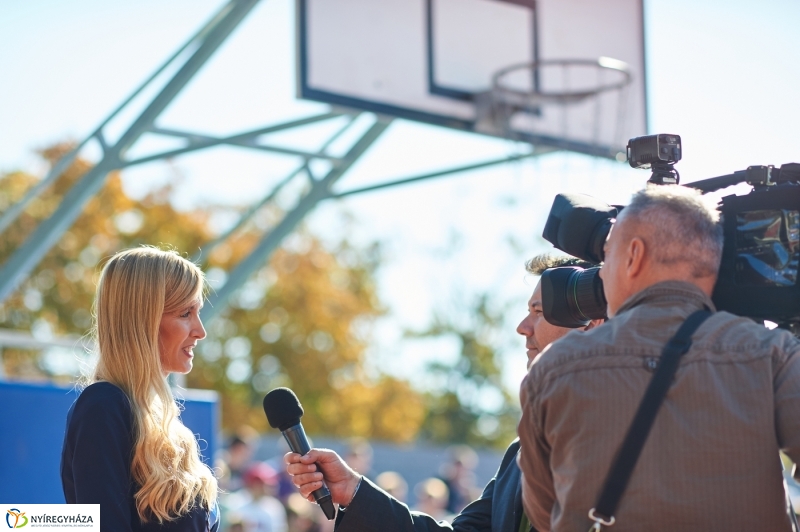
(758,277)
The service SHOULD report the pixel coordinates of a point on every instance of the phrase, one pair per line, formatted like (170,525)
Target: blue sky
(723,75)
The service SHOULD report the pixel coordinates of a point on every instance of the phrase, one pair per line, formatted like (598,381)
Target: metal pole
(245,140)
(320,190)
(441,173)
(206,250)
(15,210)
(50,231)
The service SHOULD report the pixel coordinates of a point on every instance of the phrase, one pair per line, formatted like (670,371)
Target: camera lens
(597,242)
(572,296)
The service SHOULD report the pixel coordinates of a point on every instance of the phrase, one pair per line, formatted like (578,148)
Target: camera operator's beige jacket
(711,460)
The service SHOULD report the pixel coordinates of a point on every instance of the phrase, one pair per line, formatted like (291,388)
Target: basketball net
(594,91)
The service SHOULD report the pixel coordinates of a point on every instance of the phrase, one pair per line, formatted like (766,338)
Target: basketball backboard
(434,61)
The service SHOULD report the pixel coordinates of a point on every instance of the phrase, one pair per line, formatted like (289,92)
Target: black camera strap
(627,456)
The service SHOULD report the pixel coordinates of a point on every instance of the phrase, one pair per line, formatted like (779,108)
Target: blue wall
(32,422)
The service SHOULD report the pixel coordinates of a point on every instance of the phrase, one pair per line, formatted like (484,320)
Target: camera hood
(579,224)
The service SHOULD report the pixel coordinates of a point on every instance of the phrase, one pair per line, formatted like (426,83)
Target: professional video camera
(758,277)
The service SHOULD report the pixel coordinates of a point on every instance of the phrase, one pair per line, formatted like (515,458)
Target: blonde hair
(136,288)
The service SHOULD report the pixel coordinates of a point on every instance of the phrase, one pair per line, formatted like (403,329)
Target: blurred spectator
(432,495)
(394,484)
(238,456)
(255,506)
(221,470)
(285,486)
(302,516)
(234,526)
(459,476)
(359,455)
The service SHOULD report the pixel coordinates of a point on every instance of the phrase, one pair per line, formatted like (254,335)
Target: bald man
(711,459)
(499,509)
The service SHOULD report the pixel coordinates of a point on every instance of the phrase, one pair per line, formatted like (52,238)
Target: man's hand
(339,477)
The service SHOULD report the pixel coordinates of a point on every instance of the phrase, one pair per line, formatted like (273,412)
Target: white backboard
(426,60)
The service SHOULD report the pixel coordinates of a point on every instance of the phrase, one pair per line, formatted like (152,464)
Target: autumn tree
(301,321)
(470,404)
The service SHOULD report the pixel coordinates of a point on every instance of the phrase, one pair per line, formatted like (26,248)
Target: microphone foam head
(282,408)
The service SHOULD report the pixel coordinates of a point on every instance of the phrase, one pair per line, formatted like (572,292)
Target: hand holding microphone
(340,479)
(283,412)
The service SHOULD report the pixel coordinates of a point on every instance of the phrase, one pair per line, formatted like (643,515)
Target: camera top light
(661,149)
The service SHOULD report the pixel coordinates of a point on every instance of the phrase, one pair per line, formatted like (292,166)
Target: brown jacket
(711,460)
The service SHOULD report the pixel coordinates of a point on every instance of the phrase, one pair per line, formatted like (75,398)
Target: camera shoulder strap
(627,456)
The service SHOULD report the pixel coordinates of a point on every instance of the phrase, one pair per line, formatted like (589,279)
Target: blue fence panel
(33,419)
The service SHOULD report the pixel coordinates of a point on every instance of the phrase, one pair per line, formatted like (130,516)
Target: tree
(300,323)
(471,405)
(57,296)
(302,320)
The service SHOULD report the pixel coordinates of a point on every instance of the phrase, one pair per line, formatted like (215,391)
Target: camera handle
(757,176)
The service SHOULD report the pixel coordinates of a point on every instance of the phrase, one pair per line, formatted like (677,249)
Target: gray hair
(683,224)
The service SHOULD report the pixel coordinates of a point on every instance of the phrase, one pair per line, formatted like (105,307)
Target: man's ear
(635,259)
(593,324)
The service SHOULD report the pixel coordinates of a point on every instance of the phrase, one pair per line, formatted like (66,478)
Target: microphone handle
(295,436)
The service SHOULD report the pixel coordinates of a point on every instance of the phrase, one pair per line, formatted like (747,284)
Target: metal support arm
(50,231)
(443,173)
(196,53)
(319,191)
(197,141)
(250,212)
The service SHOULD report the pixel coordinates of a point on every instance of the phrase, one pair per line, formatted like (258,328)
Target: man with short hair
(710,461)
(499,509)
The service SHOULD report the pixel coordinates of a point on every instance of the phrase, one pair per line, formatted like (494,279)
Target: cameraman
(710,461)
(499,508)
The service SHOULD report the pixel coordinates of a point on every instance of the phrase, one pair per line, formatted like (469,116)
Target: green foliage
(57,297)
(471,405)
(298,326)
(299,321)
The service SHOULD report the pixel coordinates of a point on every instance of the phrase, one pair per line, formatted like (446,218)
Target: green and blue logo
(19,518)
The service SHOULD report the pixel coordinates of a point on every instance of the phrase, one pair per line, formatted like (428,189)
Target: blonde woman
(125,447)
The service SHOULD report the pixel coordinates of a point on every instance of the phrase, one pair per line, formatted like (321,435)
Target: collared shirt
(711,459)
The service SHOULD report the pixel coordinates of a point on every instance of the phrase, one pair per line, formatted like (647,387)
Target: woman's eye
(185,314)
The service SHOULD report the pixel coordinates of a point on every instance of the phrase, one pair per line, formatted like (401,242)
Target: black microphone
(283,412)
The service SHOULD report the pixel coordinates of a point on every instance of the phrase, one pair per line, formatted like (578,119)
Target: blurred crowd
(258,496)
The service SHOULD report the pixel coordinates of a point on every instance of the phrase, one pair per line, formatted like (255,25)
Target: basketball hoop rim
(604,63)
